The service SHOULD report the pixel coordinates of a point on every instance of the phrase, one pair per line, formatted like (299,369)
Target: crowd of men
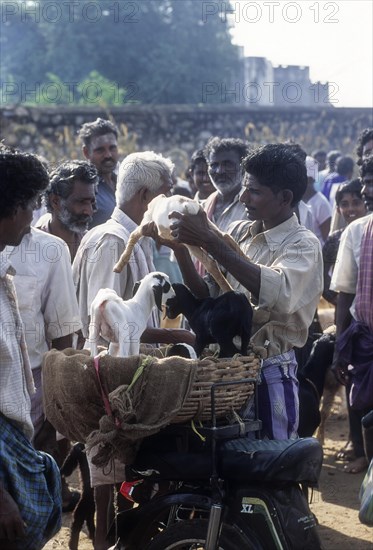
(304,227)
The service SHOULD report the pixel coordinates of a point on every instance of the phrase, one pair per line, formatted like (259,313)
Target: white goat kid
(122,322)
(157,212)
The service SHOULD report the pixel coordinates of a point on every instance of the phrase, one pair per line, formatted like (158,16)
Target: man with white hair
(142,176)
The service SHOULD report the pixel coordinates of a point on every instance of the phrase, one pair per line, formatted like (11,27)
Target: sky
(335,39)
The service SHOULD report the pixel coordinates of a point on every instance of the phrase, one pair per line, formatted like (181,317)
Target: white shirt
(16,382)
(98,252)
(306,216)
(45,291)
(346,268)
(321,211)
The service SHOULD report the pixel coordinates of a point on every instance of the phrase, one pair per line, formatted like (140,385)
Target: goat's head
(175,304)
(160,285)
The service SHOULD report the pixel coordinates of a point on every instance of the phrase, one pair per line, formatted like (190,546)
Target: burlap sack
(74,405)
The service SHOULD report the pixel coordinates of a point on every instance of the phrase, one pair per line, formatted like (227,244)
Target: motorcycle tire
(191,535)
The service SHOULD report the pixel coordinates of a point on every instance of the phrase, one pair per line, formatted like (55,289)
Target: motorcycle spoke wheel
(191,535)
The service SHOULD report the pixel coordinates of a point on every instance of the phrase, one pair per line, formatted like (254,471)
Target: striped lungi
(278,400)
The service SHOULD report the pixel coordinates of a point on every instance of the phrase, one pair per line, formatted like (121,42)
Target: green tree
(160,51)
(22,54)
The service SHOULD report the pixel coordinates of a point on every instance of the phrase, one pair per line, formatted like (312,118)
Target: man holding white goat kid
(279,269)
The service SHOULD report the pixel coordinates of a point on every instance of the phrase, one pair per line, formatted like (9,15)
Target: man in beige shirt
(280,270)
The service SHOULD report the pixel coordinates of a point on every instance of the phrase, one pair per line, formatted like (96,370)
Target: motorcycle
(229,492)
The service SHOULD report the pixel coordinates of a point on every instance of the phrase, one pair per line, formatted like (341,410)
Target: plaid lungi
(33,480)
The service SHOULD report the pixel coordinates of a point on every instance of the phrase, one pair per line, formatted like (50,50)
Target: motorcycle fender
(129,525)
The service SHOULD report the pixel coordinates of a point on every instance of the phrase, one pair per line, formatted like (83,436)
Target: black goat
(316,381)
(214,320)
(85,509)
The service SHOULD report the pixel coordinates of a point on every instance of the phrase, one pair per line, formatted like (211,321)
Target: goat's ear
(136,287)
(158,291)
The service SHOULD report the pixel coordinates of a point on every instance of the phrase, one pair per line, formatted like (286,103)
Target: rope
(239,421)
(139,371)
(194,429)
(109,436)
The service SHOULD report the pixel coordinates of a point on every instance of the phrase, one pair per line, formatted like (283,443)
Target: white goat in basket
(122,322)
(157,212)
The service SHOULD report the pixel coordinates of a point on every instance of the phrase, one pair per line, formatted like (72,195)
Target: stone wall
(179,129)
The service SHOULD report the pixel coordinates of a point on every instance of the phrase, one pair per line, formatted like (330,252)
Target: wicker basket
(211,370)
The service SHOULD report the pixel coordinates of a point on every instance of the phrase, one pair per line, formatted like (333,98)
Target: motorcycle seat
(264,460)
(295,460)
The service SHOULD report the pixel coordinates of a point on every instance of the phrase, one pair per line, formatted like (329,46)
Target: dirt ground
(335,504)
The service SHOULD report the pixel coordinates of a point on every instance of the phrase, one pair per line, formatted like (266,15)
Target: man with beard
(224,157)
(71,202)
(100,147)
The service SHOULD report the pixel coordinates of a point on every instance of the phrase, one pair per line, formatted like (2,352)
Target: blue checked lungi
(278,399)
(33,480)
